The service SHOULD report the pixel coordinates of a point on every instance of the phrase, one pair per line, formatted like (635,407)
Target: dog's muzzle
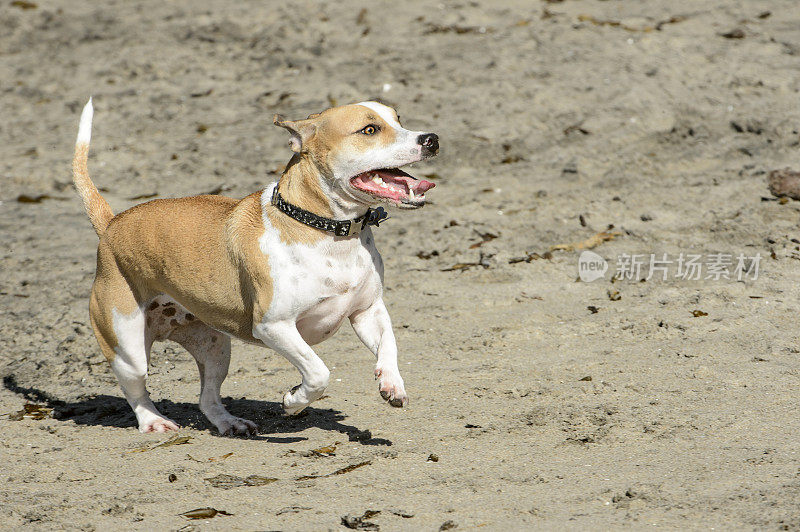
(429,143)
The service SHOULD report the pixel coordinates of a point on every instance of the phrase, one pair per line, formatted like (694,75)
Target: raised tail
(97,207)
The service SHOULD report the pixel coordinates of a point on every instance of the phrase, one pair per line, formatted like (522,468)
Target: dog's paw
(391,387)
(160,424)
(236,426)
(291,404)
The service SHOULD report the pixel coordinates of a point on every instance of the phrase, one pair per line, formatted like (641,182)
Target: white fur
(343,205)
(316,288)
(384,112)
(130,367)
(211,349)
(374,327)
(85,127)
(404,150)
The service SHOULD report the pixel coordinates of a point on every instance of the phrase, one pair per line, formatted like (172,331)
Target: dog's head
(359,149)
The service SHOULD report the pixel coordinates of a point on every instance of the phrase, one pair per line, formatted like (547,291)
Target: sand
(548,402)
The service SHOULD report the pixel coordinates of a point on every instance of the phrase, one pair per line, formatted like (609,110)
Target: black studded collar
(336,227)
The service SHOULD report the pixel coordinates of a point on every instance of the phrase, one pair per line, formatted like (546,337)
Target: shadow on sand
(111,411)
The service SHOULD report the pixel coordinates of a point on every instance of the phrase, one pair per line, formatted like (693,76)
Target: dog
(282,268)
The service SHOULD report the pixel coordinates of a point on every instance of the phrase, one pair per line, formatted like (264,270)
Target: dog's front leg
(374,327)
(284,338)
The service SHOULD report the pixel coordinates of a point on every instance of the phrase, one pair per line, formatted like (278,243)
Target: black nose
(429,143)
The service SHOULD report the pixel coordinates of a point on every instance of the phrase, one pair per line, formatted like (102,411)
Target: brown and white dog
(202,269)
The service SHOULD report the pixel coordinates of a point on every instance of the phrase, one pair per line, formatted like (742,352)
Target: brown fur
(300,185)
(335,124)
(203,274)
(245,226)
(227,292)
(97,208)
(110,291)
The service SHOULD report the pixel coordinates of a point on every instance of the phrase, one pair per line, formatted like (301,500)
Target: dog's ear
(301,130)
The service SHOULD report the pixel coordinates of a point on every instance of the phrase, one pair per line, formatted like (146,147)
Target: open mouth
(394,186)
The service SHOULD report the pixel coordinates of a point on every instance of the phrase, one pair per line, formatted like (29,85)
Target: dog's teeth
(377,180)
(383,185)
(411,194)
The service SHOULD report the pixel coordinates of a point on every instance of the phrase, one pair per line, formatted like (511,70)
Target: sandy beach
(641,131)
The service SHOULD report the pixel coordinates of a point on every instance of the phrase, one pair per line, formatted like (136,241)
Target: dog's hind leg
(118,321)
(212,351)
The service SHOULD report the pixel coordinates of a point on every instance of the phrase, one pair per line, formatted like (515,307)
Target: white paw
(390,384)
(236,426)
(160,424)
(297,399)
(292,404)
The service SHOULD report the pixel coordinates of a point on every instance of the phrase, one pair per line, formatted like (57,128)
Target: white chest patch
(319,285)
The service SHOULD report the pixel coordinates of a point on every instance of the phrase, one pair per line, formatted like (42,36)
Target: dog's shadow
(110,411)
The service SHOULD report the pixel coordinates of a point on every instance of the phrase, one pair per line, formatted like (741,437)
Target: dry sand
(557,119)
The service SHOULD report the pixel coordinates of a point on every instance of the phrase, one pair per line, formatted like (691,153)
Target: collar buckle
(355,227)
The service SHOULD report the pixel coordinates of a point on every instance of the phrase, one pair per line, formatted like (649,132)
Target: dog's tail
(97,207)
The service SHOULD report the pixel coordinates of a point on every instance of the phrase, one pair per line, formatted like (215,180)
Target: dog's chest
(320,285)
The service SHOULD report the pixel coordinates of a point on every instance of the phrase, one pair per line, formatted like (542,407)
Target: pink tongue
(422,186)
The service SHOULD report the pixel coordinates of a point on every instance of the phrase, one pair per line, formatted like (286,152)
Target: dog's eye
(369,130)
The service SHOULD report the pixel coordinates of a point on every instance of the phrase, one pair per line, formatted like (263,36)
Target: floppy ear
(301,130)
